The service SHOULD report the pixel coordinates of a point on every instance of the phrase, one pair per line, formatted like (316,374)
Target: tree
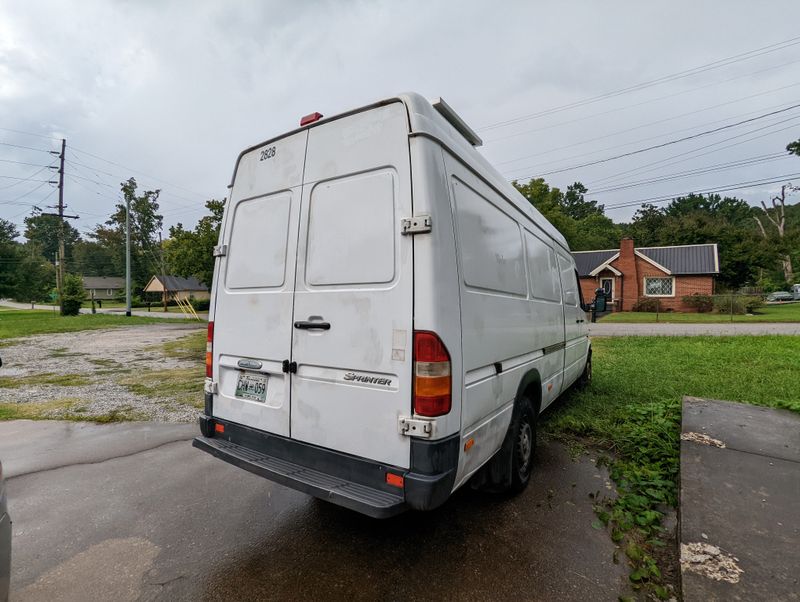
(90,258)
(42,232)
(73,295)
(35,278)
(777,217)
(10,256)
(581,222)
(190,253)
(794,148)
(146,223)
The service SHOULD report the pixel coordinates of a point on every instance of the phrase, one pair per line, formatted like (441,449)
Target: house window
(659,287)
(109,292)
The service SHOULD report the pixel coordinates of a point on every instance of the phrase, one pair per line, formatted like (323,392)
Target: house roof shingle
(179,283)
(680,260)
(100,282)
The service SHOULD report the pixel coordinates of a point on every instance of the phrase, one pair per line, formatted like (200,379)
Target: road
(616,329)
(133,512)
(115,311)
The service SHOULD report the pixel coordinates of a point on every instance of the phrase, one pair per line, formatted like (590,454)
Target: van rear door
(255,287)
(354,285)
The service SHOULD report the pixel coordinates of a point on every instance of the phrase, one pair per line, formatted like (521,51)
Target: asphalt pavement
(133,512)
(618,329)
(107,310)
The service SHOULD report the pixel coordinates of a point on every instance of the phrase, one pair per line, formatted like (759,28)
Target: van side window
(352,230)
(542,269)
(491,244)
(257,246)
(568,281)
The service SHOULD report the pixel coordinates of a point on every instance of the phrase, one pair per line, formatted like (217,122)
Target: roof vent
(446,111)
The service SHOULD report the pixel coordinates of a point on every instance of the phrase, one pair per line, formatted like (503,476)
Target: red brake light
(432,380)
(311,118)
(209,350)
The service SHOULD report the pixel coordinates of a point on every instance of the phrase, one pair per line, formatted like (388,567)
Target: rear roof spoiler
(446,111)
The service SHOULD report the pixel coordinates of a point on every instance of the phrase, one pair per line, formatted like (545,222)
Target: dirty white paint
(707,560)
(702,439)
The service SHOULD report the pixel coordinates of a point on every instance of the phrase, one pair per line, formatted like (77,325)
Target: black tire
(523,432)
(586,377)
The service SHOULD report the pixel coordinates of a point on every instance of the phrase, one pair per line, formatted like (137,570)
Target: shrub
(72,295)
(201,304)
(646,304)
(702,303)
(737,304)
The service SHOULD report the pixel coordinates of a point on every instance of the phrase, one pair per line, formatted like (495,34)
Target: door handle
(579,321)
(306,325)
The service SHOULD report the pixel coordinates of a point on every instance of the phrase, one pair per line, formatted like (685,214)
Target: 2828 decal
(267,153)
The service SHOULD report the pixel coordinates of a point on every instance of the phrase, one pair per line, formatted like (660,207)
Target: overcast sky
(170,92)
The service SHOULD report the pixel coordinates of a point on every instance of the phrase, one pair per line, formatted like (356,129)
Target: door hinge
(289,367)
(419,224)
(220,250)
(416,427)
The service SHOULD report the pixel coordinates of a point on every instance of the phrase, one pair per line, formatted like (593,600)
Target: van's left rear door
(255,287)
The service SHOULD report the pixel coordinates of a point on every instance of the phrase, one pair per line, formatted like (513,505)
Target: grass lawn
(24,322)
(787,312)
(633,409)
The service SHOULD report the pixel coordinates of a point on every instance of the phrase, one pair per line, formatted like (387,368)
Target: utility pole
(127,255)
(61,261)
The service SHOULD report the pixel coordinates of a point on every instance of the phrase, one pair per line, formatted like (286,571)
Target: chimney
(630,276)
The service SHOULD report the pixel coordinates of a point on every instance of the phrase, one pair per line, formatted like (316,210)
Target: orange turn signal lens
(219,428)
(395,480)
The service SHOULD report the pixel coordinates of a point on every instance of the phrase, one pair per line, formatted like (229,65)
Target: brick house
(631,273)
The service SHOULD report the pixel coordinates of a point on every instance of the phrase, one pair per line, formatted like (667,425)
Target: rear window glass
(257,244)
(352,231)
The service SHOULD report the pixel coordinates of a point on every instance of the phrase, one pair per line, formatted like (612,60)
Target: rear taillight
(432,381)
(210,349)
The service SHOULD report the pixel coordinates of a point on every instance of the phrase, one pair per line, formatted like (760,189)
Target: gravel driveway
(100,373)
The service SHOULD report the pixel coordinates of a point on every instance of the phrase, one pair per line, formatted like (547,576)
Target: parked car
(780,296)
(796,291)
(389,315)
(5,541)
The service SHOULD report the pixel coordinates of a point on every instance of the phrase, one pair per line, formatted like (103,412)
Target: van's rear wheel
(586,377)
(524,448)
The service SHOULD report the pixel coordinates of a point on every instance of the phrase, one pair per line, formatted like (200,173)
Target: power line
(667,161)
(23,163)
(41,150)
(668,143)
(640,86)
(30,134)
(136,171)
(712,190)
(618,132)
(695,172)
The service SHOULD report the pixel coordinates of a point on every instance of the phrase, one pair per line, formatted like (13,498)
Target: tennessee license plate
(252,386)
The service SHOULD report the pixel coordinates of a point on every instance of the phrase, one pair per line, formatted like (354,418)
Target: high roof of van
(426,121)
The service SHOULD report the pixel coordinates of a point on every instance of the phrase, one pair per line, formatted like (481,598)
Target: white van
(389,315)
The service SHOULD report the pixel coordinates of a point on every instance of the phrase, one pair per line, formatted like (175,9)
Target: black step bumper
(342,479)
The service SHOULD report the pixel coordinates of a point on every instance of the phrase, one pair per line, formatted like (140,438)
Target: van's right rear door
(255,288)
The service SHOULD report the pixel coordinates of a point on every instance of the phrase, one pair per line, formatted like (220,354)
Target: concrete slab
(173,523)
(747,428)
(740,504)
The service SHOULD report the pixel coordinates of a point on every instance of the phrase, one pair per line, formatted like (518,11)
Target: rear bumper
(342,479)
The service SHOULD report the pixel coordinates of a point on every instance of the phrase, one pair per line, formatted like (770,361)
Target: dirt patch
(97,370)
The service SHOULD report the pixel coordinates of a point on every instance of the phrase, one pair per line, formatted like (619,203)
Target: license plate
(252,386)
